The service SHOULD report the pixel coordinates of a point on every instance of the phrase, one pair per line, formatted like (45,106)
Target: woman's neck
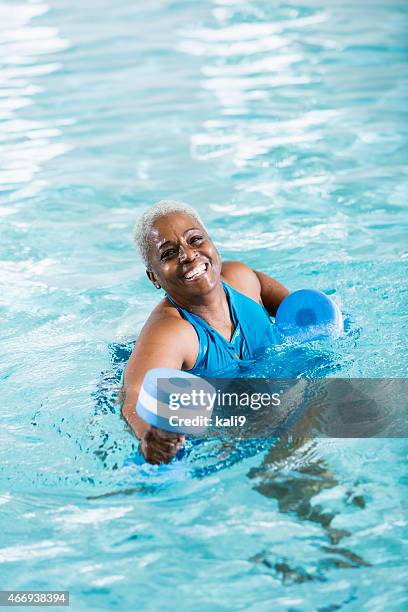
(213,308)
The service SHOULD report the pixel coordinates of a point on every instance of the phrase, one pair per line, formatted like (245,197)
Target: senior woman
(213,317)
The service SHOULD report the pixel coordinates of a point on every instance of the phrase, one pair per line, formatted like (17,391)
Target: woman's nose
(186,253)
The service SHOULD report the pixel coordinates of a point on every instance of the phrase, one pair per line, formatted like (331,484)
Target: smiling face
(183,258)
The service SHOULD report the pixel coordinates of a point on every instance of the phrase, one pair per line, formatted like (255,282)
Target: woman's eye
(168,253)
(196,238)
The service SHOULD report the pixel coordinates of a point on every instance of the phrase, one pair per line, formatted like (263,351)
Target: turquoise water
(285,125)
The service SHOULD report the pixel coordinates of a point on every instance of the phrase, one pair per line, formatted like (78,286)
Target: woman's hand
(156,445)
(159,446)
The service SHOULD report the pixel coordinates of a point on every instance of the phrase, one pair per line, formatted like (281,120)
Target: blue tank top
(252,334)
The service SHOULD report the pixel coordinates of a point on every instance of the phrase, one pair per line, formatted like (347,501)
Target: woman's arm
(272,292)
(161,344)
(256,285)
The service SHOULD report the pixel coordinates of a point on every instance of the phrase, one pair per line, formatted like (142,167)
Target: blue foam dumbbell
(307,315)
(156,402)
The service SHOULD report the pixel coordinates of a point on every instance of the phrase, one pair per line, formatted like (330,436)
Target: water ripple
(47,549)
(285,125)
(25,48)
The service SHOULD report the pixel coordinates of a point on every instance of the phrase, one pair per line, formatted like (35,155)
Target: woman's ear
(153,279)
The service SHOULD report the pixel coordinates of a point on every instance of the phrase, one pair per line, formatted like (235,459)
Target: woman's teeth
(198,271)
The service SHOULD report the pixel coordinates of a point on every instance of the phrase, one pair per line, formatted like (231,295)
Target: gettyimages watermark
(264,408)
(203,399)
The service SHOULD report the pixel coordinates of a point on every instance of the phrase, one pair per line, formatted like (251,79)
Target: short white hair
(145,223)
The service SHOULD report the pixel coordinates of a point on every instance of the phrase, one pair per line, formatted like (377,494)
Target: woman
(213,318)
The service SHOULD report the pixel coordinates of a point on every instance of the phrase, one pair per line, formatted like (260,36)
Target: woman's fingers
(166,435)
(162,443)
(157,456)
(158,448)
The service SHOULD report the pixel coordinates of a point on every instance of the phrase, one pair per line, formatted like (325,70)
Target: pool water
(285,125)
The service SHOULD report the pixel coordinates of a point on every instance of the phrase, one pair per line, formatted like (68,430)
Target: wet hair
(145,223)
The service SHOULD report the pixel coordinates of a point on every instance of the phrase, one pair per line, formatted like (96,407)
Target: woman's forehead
(172,225)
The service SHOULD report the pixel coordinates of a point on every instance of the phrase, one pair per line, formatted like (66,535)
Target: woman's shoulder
(242,278)
(165,340)
(165,318)
(166,330)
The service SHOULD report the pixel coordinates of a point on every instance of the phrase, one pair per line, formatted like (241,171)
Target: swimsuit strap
(252,333)
(194,318)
